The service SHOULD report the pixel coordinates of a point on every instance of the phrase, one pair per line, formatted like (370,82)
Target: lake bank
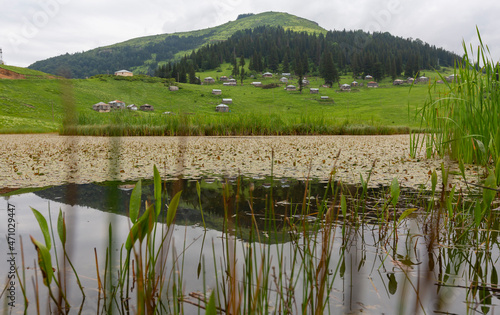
(49,159)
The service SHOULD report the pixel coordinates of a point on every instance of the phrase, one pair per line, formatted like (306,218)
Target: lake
(274,244)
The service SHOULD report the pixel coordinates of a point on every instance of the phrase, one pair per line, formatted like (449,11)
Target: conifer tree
(327,69)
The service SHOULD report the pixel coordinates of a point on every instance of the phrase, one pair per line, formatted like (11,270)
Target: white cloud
(38,29)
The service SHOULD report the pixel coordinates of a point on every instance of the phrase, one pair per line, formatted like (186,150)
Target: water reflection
(425,265)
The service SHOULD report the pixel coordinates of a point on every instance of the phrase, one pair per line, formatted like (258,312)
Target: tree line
(327,55)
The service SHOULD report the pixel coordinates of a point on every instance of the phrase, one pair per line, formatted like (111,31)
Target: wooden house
(132,107)
(354,83)
(313,91)
(345,87)
(124,73)
(101,107)
(232,82)
(267,75)
(423,79)
(398,82)
(368,77)
(116,104)
(216,92)
(223,108)
(372,84)
(227,101)
(147,108)
(452,78)
(257,84)
(284,80)
(223,78)
(290,88)
(209,80)
(173,88)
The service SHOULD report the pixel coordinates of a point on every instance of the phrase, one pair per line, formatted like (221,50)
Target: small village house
(116,104)
(223,108)
(285,74)
(147,108)
(173,88)
(124,73)
(257,84)
(132,107)
(232,82)
(398,82)
(452,78)
(216,92)
(223,78)
(305,82)
(227,101)
(267,75)
(372,84)
(354,83)
(314,91)
(423,79)
(284,80)
(324,97)
(209,80)
(368,77)
(291,88)
(101,107)
(345,87)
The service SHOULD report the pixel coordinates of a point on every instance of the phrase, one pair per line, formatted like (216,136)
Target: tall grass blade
(172,208)
(135,202)
(44,261)
(61,227)
(157,190)
(43,226)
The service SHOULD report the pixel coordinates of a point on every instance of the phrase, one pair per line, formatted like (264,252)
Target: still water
(371,270)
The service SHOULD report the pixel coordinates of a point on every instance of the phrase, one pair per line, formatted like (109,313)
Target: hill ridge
(182,43)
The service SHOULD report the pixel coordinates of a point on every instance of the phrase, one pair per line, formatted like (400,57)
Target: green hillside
(224,31)
(39,105)
(28,73)
(142,55)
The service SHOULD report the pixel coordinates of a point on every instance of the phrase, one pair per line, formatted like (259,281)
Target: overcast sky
(32,30)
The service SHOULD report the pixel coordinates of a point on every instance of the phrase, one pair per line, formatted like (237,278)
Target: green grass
(37,106)
(224,31)
(29,73)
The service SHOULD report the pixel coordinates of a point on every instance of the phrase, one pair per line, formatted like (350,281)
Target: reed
(464,121)
(264,274)
(131,124)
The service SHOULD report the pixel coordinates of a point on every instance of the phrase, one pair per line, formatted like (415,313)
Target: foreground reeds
(465,120)
(294,261)
(130,124)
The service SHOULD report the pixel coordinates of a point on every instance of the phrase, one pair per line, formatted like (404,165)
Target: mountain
(142,55)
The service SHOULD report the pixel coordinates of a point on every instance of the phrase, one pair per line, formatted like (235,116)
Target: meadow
(41,105)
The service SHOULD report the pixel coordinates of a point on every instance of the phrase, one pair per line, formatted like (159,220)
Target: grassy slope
(36,105)
(224,31)
(27,72)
